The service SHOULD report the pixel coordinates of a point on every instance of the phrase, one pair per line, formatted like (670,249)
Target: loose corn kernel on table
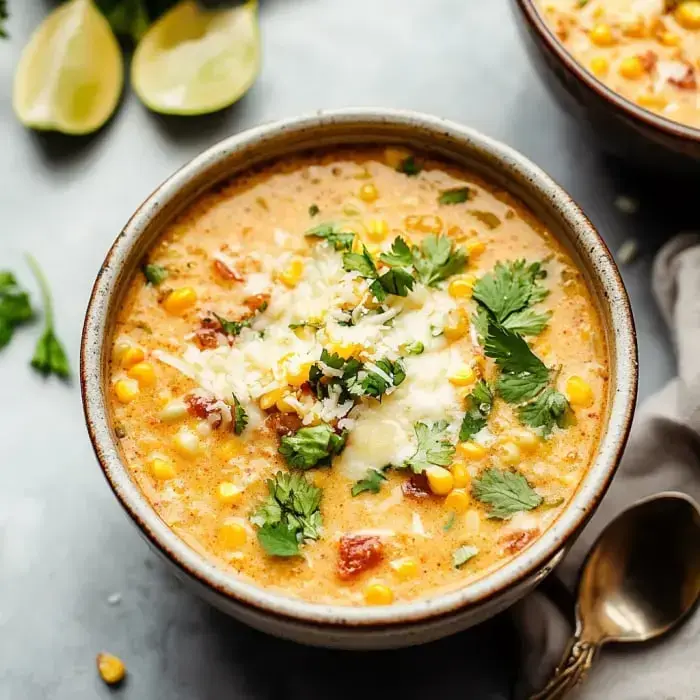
(76,577)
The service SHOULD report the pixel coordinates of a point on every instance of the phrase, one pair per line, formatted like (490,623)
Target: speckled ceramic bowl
(622,127)
(404,623)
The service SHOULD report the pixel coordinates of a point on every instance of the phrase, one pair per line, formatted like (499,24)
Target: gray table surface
(65,546)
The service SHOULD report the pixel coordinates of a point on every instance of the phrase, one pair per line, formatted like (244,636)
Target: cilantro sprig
(15,307)
(372,481)
(234,328)
(154,274)
(478,406)
(507,492)
(332,234)
(289,516)
(436,259)
(434,447)
(397,280)
(312,447)
(456,195)
(240,417)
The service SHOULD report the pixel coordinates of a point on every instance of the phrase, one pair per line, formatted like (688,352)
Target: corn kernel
(162,469)
(599,66)
(267,401)
(579,392)
(126,390)
(471,450)
(457,325)
(601,35)
(283,405)
(111,668)
(440,480)
(368,192)
(631,68)
(475,248)
(229,449)
(460,475)
(300,374)
(472,521)
(132,356)
(669,39)
(292,273)
(143,373)
(345,350)
(227,492)
(377,229)
(509,453)
(430,223)
(463,376)
(232,534)
(526,440)
(687,14)
(378,594)
(636,29)
(405,568)
(186,443)
(457,501)
(173,411)
(179,300)
(651,101)
(461,287)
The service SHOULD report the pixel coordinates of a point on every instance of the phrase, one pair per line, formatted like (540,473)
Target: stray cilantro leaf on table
(478,406)
(434,447)
(437,259)
(312,447)
(456,195)
(154,274)
(49,355)
(240,417)
(372,481)
(15,307)
(340,240)
(507,493)
(409,166)
(551,408)
(462,555)
(290,515)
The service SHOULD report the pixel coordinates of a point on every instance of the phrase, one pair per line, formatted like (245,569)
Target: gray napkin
(663,454)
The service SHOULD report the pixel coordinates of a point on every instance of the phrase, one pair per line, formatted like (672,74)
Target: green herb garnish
(240,417)
(368,382)
(313,210)
(49,355)
(414,348)
(340,240)
(312,447)
(462,555)
(550,408)
(372,481)
(15,307)
(290,515)
(478,407)
(396,281)
(361,263)
(506,492)
(155,274)
(450,522)
(456,195)
(305,324)
(527,322)
(399,255)
(434,447)
(437,259)
(409,166)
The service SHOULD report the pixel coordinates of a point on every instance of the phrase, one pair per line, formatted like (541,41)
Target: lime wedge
(195,61)
(71,72)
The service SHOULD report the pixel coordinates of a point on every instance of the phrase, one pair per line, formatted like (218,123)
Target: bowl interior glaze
(491,160)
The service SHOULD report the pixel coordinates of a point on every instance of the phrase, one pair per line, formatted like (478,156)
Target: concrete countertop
(66,549)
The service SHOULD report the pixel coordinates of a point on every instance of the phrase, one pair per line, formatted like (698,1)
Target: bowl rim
(629,108)
(240,591)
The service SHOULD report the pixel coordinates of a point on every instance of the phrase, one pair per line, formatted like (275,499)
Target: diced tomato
(227,273)
(519,539)
(417,486)
(207,338)
(357,553)
(283,423)
(257,301)
(203,407)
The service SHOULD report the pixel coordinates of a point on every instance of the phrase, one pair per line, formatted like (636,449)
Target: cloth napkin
(663,454)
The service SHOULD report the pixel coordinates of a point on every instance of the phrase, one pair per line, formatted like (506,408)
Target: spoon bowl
(640,579)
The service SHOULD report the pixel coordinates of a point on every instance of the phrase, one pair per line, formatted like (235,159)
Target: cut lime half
(195,61)
(71,73)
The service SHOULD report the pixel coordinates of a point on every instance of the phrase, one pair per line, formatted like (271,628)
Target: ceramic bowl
(404,623)
(623,127)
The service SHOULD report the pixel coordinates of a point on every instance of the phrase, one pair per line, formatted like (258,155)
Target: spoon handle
(571,671)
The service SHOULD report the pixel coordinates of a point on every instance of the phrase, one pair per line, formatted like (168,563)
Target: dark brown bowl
(622,127)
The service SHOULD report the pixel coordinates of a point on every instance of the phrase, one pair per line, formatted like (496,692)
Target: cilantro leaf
(396,281)
(550,408)
(340,240)
(360,262)
(311,447)
(290,514)
(437,259)
(462,555)
(240,417)
(313,210)
(478,406)
(49,355)
(372,481)
(527,322)
(368,382)
(480,319)
(323,389)
(456,195)
(523,374)
(378,290)
(15,307)
(409,166)
(233,328)
(434,447)
(414,348)
(154,274)
(450,522)
(305,324)
(399,255)
(506,492)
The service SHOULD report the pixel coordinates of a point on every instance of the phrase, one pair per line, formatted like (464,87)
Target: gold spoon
(626,595)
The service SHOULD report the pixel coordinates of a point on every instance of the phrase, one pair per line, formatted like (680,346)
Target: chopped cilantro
(409,166)
(361,263)
(340,240)
(507,493)
(368,382)
(15,307)
(399,255)
(154,274)
(313,210)
(290,514)
(233,328)
(550,408)
(240,417)
(478,406)
(456,195)
(305,324)
(312,447)
(487,218)
(462,555)
(437,259)
(396,281)
(372,481)
(449,524)
(323,389)
(414,348)
(434,447)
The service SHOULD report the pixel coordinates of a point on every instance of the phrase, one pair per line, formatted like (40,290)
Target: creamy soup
(358,377)
(646,50)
